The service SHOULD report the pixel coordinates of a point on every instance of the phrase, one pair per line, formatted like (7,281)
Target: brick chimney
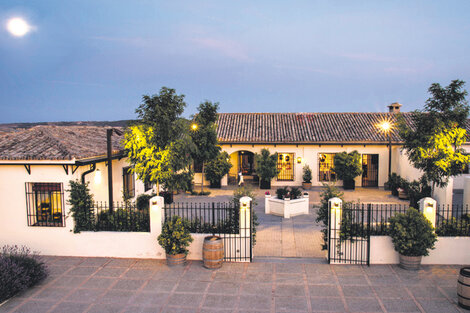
(394,107)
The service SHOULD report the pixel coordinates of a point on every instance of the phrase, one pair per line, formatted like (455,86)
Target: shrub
(266,165)
(143,201)
(347,166)
(330,191)
(454,227)
(412,234)
(81,202)
(19,270)
(416,190)
(307,174)
(292,193)
(123,220)
(218,168)
(394,182)
(175,236)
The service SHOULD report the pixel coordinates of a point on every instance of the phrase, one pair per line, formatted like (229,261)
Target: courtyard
(104,285)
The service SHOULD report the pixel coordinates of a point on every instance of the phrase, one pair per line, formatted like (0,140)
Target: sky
(93,60)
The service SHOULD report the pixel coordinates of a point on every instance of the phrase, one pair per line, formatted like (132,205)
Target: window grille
(128,183)
(45,204)
(285,166)
(147,185)
(325,164)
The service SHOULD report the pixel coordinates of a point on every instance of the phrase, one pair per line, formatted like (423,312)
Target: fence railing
(124,217)
(451,220)
(207,218)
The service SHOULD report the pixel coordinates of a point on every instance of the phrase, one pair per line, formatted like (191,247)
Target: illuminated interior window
(325,164)
(285,166)
(128,183)
(45,204)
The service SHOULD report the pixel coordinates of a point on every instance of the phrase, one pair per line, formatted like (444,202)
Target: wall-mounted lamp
(299,160)
(97,177)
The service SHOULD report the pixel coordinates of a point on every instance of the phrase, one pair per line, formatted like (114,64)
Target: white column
(428,206)
(335,205)
(156,215)
(267,208)
(245,216)
(305,208)
(466,194)
(443,195)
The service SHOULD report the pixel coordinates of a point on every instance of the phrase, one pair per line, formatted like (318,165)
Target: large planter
(306,186)
(410,262)
(176,259)
(264,184)
(349,184)
(216,184)
(402,194)
(286,207)
(463,288)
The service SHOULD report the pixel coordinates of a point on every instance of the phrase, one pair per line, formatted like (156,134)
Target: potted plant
(307,177)
(347,166)
(218,168)
(175,238)
(412,236)
(394,183)
(266,168)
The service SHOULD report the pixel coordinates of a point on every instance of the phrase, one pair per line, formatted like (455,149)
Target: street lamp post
(386,127)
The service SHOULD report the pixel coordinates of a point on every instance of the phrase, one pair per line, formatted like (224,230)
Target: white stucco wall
(449,250)
(309,155)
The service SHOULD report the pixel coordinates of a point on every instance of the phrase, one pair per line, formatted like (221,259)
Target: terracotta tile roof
(303,127)
(56,143)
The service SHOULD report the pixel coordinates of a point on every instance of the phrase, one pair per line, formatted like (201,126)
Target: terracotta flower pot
(306,186)
(176,259)
(410,262)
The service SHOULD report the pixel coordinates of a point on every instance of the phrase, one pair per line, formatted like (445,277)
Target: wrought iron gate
(349,234)
(226,220)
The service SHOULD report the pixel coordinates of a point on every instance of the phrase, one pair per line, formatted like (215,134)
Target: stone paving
(126,285)
(297,237)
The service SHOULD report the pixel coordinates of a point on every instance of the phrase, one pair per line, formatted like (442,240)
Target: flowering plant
(267,193)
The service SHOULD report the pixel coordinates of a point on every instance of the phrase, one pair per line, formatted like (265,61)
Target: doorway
(370,170)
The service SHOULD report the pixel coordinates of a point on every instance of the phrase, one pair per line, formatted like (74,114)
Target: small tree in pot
(347,166)
(307,177)
(175,238)
(413,236)
(266,168)
(218,168)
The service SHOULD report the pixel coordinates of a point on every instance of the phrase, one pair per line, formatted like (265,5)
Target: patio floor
(297,237)
(127,285)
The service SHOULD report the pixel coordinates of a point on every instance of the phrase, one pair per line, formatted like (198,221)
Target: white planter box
(286,208)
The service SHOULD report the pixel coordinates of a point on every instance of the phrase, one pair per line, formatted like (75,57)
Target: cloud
(228,48)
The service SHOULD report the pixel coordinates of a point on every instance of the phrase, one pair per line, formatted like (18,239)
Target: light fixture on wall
(97,177)
(299,160)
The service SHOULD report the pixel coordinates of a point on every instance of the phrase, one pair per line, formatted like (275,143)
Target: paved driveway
(126,285)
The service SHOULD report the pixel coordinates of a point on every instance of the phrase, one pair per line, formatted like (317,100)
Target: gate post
(335,206)
(156,215)
(427,206)
(245,218)
(267,208)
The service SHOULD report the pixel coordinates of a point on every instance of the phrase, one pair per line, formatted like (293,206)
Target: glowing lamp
(194,126)
(299,160)
(98,177)
(386,126)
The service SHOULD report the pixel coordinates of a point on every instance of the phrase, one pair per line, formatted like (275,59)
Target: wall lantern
(97,177)
(299,160)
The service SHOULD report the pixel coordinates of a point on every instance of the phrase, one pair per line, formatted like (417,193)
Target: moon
(18,27)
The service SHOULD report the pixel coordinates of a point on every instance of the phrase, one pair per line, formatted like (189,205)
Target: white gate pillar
(245,216)
(428,206)
(156,215)
(335,206)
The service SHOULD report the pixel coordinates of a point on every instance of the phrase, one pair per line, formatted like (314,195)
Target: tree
(218,168)
(204,135)
(347,166)
(266,166)
(158,145)
(433,137)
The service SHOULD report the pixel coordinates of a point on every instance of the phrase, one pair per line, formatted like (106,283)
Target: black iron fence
(453,220)
(225,219)
(124,216)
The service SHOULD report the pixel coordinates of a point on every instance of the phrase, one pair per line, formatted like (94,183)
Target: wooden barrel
(176,259)
(213,252)
(463,288)
(410,262)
